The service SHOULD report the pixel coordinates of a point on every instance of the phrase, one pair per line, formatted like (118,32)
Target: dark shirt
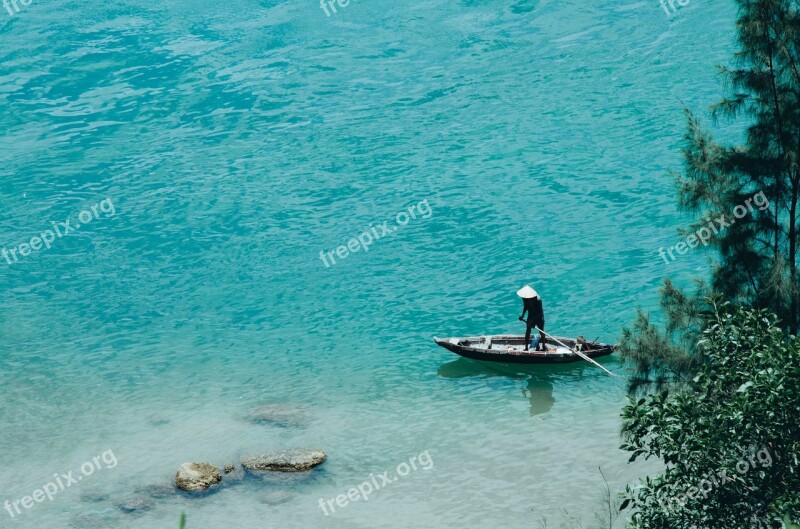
(533,306)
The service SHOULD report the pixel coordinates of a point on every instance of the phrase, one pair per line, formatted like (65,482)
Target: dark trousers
(531,325)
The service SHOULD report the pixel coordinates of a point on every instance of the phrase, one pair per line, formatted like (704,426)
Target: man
(532,304)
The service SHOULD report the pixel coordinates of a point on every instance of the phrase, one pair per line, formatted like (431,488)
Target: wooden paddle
(576,352)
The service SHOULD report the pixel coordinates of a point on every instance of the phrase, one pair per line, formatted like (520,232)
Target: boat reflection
(540,395)
(540,378)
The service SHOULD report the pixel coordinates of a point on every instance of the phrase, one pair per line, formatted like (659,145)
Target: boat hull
(507,349)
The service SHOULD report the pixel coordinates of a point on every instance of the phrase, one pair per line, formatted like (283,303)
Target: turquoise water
(234,143)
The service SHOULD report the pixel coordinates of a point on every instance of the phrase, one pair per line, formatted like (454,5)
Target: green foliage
(755,259)
(758,258)
(742,406)
(669,356)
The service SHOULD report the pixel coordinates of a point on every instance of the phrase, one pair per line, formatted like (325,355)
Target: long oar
(576,352)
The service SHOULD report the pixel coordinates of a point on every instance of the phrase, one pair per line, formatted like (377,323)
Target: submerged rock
(136,505)
(276,498)
(233,473)
(93,496)
(195,477)
(91,521)
(287,480)
(296,460)
(157,420)
(286,415)
(157,490)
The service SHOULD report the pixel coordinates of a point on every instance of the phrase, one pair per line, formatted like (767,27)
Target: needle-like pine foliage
(755,256)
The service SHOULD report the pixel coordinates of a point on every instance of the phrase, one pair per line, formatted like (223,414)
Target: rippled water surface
(236,141)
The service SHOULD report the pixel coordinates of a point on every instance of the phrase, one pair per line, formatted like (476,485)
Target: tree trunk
(793,259)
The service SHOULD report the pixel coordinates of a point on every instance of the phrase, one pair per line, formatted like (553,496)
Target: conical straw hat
(527,292)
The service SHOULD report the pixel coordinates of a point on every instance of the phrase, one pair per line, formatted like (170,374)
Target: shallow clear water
(236,142)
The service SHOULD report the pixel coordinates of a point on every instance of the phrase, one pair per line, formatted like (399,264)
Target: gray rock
(195,477)
(136,505)
(285,415)
(295,460)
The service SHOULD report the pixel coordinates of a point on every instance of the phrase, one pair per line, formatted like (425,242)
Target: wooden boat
(508,349)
